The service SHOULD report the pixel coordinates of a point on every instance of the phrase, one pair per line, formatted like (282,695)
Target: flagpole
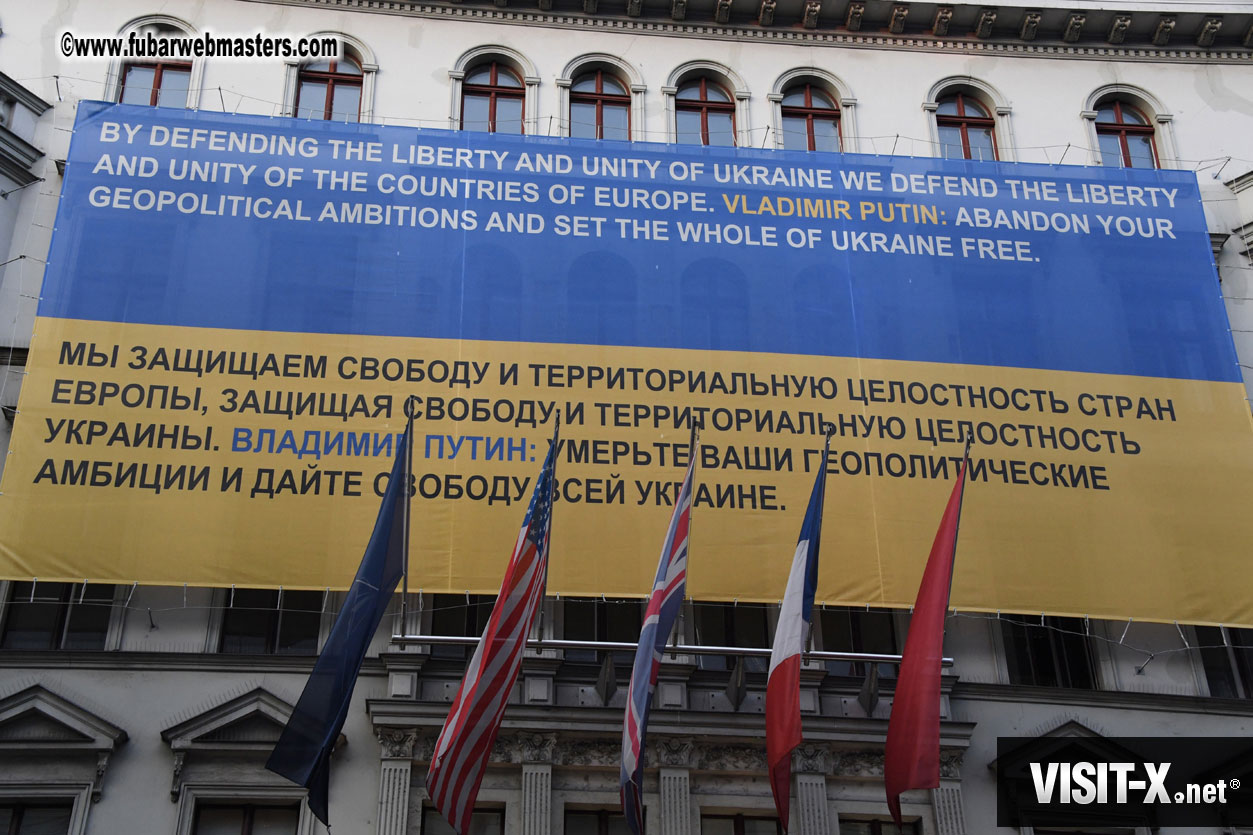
(404,577)
(691,451)
(970,439)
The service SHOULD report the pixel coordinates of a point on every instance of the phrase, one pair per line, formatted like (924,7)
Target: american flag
(462,750)
(663,609)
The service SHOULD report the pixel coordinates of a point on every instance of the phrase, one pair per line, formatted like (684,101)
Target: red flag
(912,755)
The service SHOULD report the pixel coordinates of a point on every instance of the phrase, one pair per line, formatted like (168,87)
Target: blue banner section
(256,223)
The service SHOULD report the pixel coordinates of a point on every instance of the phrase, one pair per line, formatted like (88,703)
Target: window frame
(603,816)
(77,795)
(599,99)
(332,78)
(964,122)
(218,625)
(193,795)
(704,106)
(738,819)
(808,112)
(1122,129)
(882,826)
(249,810)
(71,595)
(160,25)
(493,91)
(477,810)
(1055,634)
(159,68)
(1237,666)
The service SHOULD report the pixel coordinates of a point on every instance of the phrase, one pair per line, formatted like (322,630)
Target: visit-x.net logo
(1078,778)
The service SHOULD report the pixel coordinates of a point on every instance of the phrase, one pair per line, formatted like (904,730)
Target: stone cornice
(996,45)
(1121,699)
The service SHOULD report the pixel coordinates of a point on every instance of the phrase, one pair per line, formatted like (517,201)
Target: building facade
(153,708)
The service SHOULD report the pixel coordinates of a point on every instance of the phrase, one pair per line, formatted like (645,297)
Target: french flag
(783,698)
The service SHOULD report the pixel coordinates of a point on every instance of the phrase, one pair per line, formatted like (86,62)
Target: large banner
(236,309)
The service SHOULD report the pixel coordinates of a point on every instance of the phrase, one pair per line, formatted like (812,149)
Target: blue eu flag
(303,752)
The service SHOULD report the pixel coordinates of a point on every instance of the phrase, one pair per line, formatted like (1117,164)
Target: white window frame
(350,47)
(989,97)
(117,615)
(241,794)
(1161,119)
(222,598)
(729,79)
(117,66)
(78,794)
(602,61)
(516,61)
(833,86)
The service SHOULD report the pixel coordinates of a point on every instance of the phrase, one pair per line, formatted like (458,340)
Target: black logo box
(1216,768)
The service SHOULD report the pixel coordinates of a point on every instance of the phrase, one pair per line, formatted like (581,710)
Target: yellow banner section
(177,455)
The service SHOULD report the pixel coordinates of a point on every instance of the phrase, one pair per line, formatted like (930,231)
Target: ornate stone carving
(1074,27)
(731,758)
(177,781)
(855,12)
(535,748)
(857,763)
(674,752)
(896,24)
(951,763)
(811,759)
(943,17)
(1118,28)
(983,25)
(590,752)
(766,16)
(1165,25)
(678,9)
(810,18)
(1030,26)
(1209,31)
(722,12)
(397,743)
(634,7)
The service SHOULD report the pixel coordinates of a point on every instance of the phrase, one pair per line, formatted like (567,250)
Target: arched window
(965,127)
(704,114)
(330,90)
(600,107)
(811,119)
(161,84)
(1125,136)
(492,99)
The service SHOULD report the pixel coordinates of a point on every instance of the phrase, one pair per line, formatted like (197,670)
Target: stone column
(950,817)
(394,776)
(536,753)
(674,757)
(810,764)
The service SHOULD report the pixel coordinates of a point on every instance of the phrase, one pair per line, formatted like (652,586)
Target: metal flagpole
(404,575)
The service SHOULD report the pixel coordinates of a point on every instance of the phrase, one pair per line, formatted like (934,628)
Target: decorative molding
(896,24)
(536,748)
(943,17)
(765,15)
(22,96)
(1209,31)
(397,743)
(36,717)
(678,9)
(674,752)
(852,21)
(983,26)
(1165,25)
(810,17)
(1030,26)
(811,759)
(878,41)
(1074,27)
(730,757)
(722,11)
(1118,28)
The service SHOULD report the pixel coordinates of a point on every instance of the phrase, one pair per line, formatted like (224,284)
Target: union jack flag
(663,609)
(461,752)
